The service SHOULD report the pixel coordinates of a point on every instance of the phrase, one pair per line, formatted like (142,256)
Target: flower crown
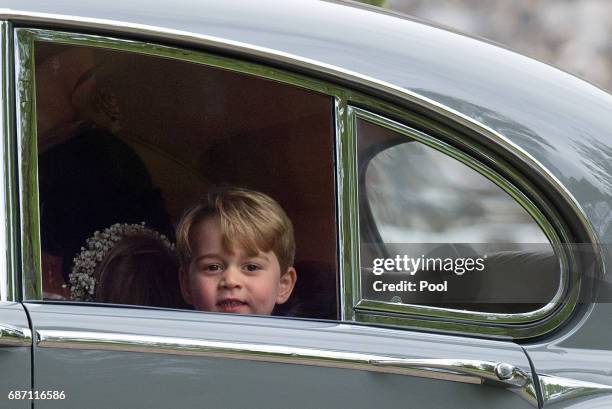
(81,280)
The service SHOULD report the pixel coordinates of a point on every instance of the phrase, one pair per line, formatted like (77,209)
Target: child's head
(127,264)
(141,270)
(236,253)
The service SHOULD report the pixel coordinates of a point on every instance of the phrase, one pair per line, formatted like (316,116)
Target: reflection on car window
(128,142)
(450,236)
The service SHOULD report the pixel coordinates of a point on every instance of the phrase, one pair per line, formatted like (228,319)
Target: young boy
(236,253)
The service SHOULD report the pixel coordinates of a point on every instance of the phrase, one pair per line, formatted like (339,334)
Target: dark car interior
(194,127)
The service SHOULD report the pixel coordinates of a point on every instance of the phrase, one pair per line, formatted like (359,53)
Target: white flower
(81,279)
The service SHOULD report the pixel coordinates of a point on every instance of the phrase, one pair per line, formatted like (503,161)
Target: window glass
(130,138)
(436,232)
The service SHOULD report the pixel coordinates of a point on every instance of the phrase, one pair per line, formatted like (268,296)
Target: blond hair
(249,219)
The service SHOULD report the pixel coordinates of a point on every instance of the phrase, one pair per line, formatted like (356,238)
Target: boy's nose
(231,278)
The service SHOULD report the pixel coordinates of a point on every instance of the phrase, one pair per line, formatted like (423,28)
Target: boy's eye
(213,267)
(251,267)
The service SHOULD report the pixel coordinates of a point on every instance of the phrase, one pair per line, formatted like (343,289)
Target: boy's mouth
(230,305)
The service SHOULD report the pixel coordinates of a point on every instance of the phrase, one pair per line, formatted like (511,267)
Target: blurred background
(574,35)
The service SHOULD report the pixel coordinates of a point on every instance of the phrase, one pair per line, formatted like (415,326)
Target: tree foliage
(379,3)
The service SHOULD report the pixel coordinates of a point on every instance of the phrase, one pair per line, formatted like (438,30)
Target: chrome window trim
(348,212)
(364,305)
(10,192)
(27,170)
(9,236)
(344,227)
(7,119)
(348,240)
(456,370)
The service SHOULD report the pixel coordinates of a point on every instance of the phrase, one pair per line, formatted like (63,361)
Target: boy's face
(231,281)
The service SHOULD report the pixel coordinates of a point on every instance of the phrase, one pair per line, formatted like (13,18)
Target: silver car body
(549,124)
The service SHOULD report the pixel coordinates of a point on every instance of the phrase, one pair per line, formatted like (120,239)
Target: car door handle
(483,372)
(14,336)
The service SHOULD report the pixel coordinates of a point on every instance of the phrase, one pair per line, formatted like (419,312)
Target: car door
(15,356)
(101,356)
(104,357)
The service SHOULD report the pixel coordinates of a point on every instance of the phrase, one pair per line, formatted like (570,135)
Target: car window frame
(367,307)
(346,102)
(519,327)
(9,281)
(26,145)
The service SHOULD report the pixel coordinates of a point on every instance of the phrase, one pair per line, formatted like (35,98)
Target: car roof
(552,118)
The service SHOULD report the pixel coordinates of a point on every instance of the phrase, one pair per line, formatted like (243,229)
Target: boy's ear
(185,287)
(287,282)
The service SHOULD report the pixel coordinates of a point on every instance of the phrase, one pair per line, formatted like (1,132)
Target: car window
(128,139)
(436,232)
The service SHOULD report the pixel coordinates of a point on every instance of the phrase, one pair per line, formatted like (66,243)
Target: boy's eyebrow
(260,255)
(207,255)
(218,256)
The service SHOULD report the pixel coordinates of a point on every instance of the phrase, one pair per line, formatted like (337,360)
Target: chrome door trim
(556,389)
(15,336)
(496,373)
(464,371)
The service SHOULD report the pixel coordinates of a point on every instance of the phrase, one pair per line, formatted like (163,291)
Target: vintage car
(390,144)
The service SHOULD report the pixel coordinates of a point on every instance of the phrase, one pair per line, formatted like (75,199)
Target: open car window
(130,138)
